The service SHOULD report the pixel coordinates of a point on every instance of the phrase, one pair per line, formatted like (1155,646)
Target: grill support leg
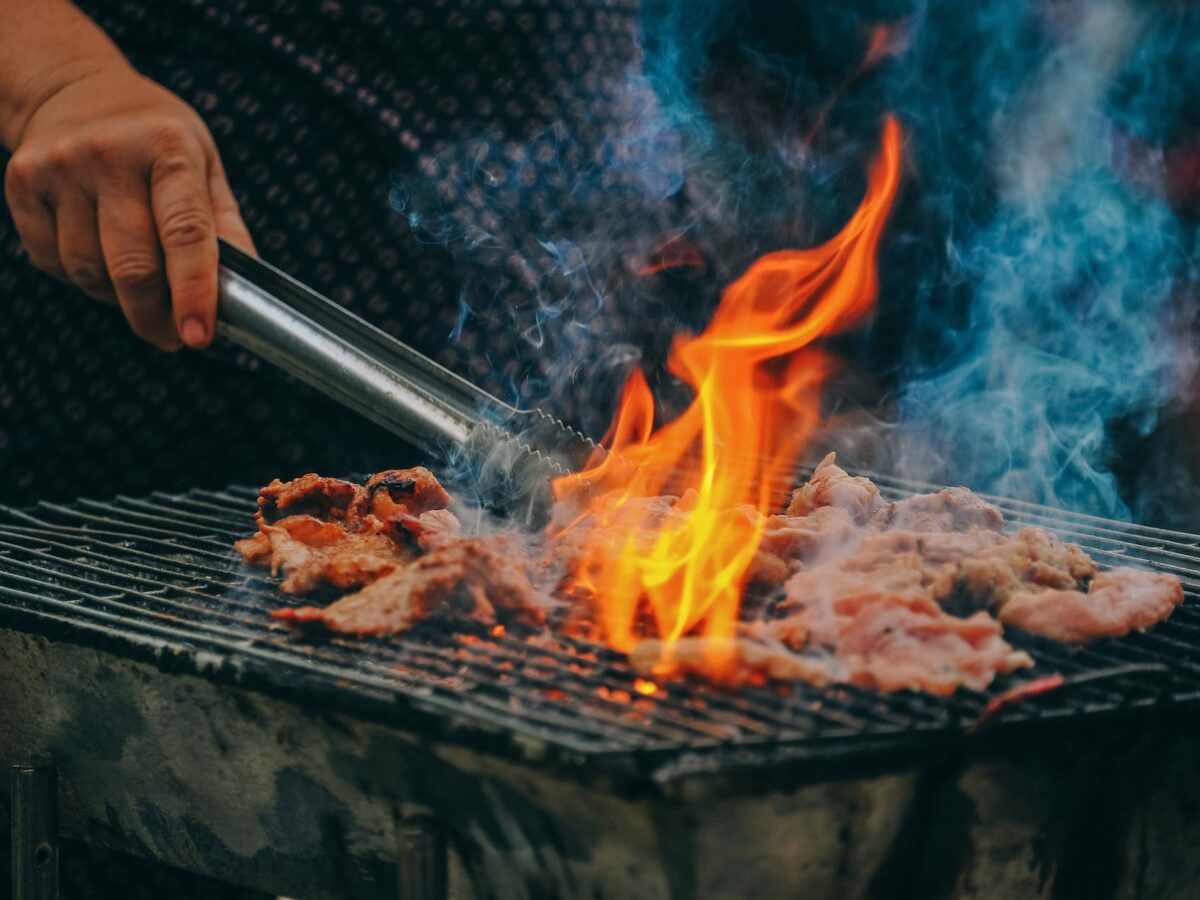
(422,862)
(34,831)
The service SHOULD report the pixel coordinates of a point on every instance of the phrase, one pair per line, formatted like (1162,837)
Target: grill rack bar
(161,568)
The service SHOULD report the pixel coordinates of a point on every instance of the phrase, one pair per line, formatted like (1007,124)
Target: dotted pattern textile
(414,161)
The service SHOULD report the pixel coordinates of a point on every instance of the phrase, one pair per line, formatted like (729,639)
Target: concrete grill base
(256,790)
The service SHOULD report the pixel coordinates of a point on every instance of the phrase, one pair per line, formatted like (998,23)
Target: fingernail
(193,332)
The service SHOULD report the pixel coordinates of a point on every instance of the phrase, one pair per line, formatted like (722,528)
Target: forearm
(44,45)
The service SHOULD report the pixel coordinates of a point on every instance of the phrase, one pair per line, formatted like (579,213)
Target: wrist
(40,88)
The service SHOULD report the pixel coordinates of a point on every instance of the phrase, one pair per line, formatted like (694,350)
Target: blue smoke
(1070,268)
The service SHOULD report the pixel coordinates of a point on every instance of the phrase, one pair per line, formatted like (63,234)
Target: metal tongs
(514,453)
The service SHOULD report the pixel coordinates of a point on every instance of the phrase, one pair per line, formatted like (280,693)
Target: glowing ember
(673,254)
(756,377)
(617,696)
(643,686)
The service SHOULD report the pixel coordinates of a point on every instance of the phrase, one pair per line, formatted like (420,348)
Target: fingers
(183,214)
(129,242)
(225,210)
(79,246)
(144,236)
(34,218)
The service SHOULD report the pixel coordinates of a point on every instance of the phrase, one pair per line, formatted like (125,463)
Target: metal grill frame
(155,579)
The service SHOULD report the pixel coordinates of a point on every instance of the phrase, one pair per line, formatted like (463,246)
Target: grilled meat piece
(879,613)
(344,535)
(310,495)
(391,492)
(312,553)
(906,594)
(1030,561)
(483,578)
(747,660)
(790,543)
(963,573)
(402,491)
(423,528)
(891,642)
(396,540)
(897,640)
(831,485)
(914,645)
(978,566)
(255,549)
(950,548)
(1116,602)
(951,509)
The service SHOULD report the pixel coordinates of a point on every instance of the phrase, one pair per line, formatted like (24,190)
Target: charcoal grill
(137,656)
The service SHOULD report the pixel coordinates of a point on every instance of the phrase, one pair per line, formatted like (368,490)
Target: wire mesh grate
(161,569)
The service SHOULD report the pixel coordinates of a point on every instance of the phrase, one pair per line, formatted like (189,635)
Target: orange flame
(883,41)
(675,253)
(756,378)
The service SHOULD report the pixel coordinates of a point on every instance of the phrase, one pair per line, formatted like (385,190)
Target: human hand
(115,186)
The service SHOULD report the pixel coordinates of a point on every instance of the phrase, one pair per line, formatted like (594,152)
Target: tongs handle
(324,345)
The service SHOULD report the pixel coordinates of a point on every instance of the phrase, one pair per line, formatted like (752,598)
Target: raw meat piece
(1116,602)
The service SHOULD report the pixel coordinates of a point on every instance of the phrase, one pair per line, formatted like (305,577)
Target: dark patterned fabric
(420,162)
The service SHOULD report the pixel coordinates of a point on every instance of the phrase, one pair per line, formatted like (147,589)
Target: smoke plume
(1037,278)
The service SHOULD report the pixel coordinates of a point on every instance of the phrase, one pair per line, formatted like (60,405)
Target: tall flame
(756,377)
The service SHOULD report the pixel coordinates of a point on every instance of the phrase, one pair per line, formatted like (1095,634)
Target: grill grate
(157,576)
